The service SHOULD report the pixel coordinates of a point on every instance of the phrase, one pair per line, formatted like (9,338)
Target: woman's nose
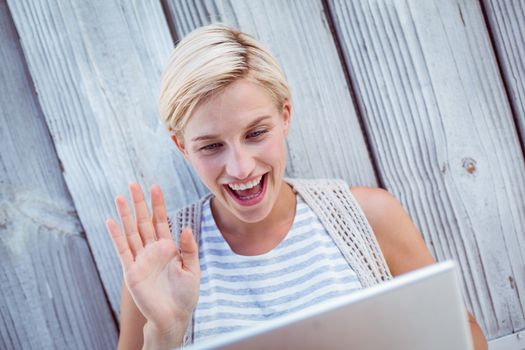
(240,163)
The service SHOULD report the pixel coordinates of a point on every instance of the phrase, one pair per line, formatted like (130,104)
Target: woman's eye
(257,133)
(211,147)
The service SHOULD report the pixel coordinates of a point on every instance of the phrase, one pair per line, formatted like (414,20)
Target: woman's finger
(130,228)
(144,224)
(120,243)
(159,213)
(189,250)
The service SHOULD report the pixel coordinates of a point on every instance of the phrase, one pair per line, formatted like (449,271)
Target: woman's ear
(179,142)
(287,116)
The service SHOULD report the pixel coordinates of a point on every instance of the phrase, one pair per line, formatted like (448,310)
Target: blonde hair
(206,61)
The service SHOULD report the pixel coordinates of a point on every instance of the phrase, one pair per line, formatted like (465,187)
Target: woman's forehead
(242,95)
(238,106)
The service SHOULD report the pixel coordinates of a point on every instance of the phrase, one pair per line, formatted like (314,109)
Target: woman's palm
(162,279)
(163,289)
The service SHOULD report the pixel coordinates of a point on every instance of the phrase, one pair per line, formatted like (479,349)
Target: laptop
(422,309)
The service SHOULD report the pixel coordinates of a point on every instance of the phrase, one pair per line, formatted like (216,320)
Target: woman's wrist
(163,339)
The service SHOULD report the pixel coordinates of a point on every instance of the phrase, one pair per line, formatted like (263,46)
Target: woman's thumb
(189,250)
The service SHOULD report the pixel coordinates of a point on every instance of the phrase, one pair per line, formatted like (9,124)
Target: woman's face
(235,140)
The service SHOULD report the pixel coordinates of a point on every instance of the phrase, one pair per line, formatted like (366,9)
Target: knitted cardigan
(338,211)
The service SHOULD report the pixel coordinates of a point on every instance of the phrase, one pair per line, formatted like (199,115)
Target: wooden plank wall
(51,294)
(506,21)
(97,65)
(440,127)
(424,98)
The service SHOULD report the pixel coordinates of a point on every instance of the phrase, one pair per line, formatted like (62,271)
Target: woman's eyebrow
(251,125)
(204,137)
(257,121)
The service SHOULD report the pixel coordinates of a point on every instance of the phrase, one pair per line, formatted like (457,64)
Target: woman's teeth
(240,187)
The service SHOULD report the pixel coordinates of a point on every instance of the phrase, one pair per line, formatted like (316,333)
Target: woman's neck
(246,238)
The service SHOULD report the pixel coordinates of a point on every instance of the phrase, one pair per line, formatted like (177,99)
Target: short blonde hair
(207,60)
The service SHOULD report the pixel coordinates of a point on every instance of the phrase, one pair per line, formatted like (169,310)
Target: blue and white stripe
(238,291)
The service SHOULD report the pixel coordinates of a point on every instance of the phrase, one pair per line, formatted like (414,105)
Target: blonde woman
(259,246)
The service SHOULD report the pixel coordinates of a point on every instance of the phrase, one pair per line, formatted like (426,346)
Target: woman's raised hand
(163,280)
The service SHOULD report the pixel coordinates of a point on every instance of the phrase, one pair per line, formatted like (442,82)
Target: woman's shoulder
(401,242)
(383,212)
(374,201)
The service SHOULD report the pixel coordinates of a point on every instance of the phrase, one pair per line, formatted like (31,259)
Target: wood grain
(441,127)
(506,22)
(51,294)
(326,139)
(96,66)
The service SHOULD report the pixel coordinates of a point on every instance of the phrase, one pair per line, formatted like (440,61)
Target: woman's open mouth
(250,193)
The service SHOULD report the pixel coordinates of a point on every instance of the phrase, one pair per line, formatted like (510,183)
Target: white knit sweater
(339,212)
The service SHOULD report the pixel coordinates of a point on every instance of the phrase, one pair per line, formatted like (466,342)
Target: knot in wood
(470,165)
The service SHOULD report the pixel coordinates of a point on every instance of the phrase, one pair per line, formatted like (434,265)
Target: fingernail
(119,199)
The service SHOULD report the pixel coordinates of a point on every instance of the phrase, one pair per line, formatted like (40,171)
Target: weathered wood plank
(442,130)
(96,65)
(51,296)
(326,139)
(506,22)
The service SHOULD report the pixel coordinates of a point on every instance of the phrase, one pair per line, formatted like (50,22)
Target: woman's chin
(252,218)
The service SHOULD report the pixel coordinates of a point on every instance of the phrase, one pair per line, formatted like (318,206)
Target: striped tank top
(237,291)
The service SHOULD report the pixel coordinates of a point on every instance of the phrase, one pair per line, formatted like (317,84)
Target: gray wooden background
(425,98)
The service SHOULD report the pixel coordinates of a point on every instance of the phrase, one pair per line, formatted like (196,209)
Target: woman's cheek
(207,167)
(275,149)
